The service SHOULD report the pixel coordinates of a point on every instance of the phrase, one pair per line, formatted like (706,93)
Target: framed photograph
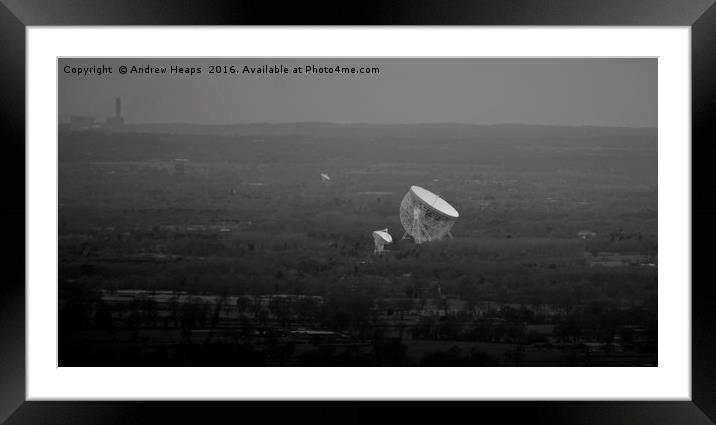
(461,203)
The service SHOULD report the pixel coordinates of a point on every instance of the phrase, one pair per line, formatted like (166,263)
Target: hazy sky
(602,92)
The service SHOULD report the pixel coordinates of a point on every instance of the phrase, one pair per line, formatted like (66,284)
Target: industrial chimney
(116,121)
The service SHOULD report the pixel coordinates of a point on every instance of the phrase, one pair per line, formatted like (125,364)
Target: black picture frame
(16,15)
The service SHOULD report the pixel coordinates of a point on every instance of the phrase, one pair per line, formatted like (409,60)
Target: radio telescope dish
(381,238)
(426,216)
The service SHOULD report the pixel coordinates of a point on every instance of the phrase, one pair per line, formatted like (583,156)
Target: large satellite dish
(426,216)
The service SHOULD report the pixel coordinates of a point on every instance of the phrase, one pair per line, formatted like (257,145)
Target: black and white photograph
(400,212)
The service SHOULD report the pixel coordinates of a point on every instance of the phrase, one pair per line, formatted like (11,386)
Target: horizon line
(376,124)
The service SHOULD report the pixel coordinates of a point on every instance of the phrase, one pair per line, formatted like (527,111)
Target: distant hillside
(438,130)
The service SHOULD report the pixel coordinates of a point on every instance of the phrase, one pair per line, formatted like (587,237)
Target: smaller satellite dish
(381,238)
(384,235)
(325,177)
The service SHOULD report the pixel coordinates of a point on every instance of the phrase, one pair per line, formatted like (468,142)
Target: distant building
(617,259)
(593,347)
(81,123)
(586,234)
